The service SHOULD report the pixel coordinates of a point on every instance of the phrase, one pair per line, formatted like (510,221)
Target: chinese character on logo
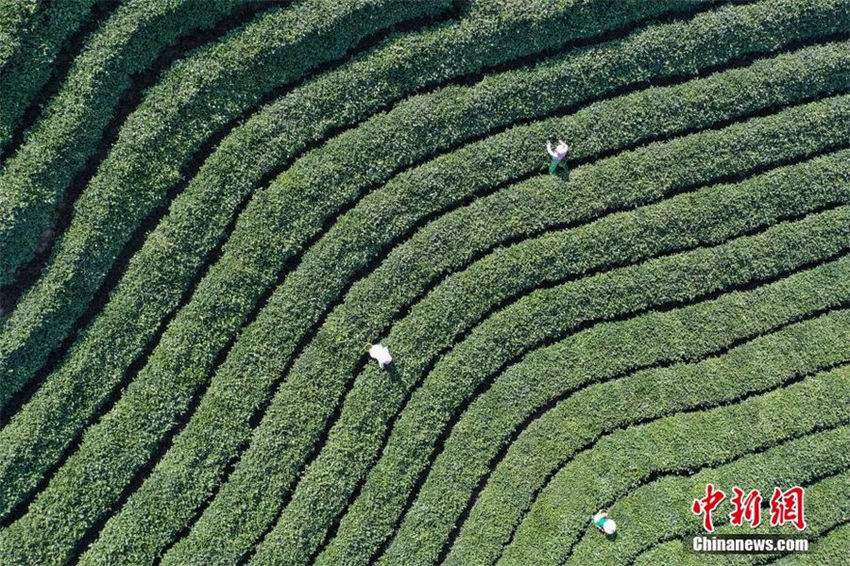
(787,507)
(707,504)
(745,508)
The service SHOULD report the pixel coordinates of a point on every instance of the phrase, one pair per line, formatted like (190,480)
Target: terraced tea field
(209,209)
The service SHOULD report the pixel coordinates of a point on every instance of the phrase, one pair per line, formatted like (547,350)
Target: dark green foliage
(616,350)
(321,372)
(662,509)
(149,155)
(522,388)
(55,150)
(557,339)
(557,520)
(210,436)
(31,37)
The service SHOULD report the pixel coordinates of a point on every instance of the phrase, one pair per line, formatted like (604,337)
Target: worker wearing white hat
(557,153)
(604,524)
(381,353)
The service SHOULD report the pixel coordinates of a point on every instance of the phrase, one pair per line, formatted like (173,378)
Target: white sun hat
(380,353)
(604,524)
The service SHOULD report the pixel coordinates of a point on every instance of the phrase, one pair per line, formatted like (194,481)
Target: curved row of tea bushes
(709,216)
(826,518)
(547,315)
(179,113)
(284,302)
(167,492)
(181,360)
(661,510)
(799,405)
(31,38)
(615,352)
(15,24)
(545,259)
(335,99)
(71,126)
(446,245)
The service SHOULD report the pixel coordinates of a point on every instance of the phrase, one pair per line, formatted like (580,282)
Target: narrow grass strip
(707,217)
(279,308)
(808,347)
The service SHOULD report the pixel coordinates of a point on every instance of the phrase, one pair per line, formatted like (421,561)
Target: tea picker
(604,524)
(381,353)
(557,154)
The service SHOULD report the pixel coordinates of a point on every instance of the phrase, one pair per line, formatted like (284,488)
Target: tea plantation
(210,209)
